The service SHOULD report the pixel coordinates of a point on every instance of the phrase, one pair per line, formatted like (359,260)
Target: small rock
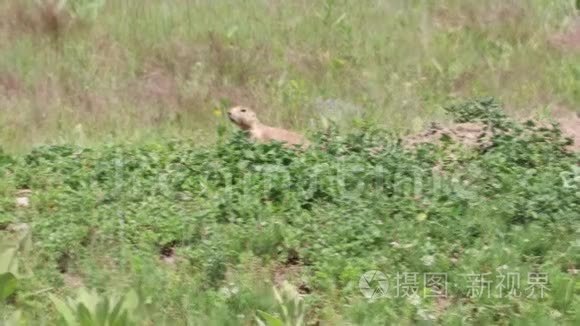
(22,202)
(22,199)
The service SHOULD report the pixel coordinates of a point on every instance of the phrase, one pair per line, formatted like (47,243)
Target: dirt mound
(469,134)
(479,135)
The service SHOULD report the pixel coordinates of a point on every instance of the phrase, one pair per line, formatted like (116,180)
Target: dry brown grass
(44,17)
(481,17)
(10,85)
(148,68)
(569,38)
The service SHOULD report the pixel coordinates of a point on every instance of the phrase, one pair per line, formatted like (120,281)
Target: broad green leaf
(64,310)
(260,322)
(131,302)
(89,298)
(8,284)
(14,320)
(84,316)
(421,217)
(102,311)
(123,320)
(270,319)
(114,316)
(8,261)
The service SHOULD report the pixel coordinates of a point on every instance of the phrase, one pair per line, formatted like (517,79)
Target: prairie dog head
(243,117)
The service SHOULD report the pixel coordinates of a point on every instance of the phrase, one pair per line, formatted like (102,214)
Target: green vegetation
(94,70)
(201,234)
(120,204)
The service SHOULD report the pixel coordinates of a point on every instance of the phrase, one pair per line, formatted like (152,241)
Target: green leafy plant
(92,309)
(182,220)
(10,246)
(10,272)
(5,159)
(487,110)
(291,306)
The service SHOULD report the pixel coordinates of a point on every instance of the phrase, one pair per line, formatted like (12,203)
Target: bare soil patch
(569,39)
(469,134)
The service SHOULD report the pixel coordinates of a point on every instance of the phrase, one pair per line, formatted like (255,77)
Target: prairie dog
(247,120)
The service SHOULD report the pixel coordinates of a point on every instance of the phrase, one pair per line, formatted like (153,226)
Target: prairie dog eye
(243,110)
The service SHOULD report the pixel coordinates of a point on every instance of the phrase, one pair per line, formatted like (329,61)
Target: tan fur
(246,119)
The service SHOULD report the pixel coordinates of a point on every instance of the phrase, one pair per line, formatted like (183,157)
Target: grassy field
(120,176)
(149,69)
